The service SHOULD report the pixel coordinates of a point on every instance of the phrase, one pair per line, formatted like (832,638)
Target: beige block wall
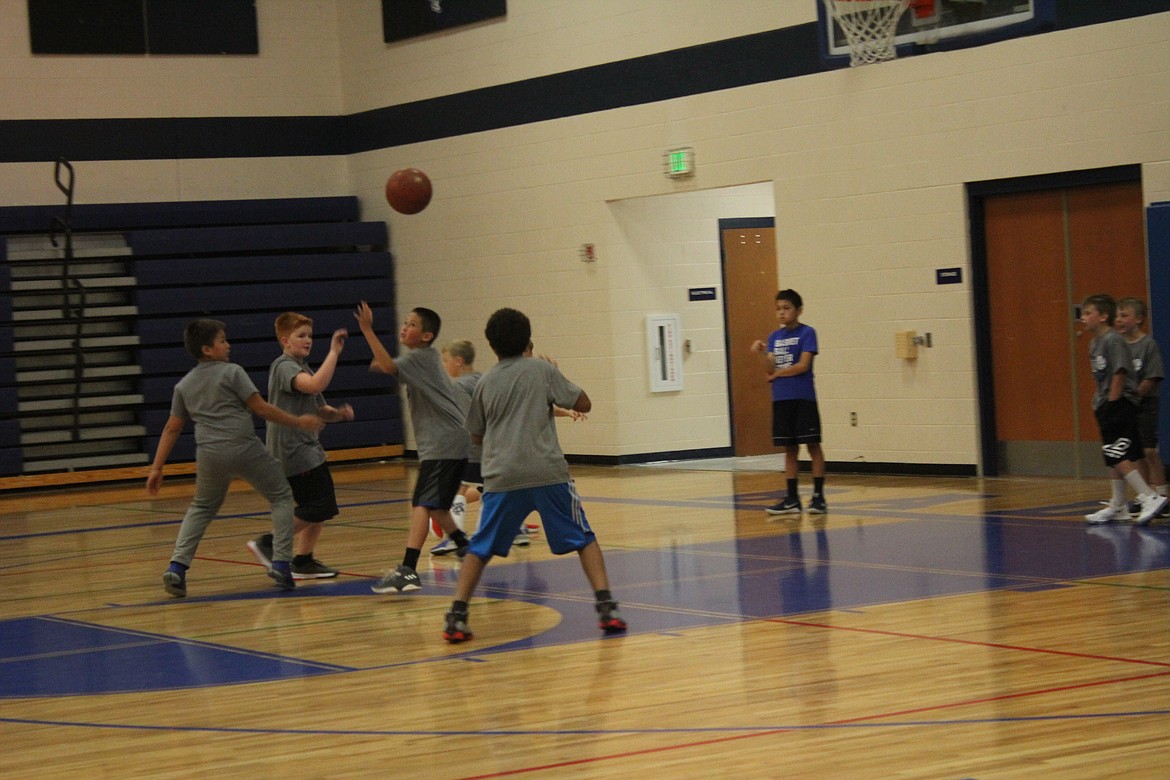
(866,169)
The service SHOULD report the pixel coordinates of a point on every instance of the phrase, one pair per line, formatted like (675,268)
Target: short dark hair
(430,321)
(792,296)
(508,332)
(1103,303)
(199,334)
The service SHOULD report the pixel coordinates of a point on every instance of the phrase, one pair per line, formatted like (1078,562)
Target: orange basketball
(408,191)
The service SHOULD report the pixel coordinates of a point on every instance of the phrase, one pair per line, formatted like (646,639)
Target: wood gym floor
(926,627)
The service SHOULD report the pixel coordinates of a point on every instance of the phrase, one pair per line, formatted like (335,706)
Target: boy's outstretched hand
(337,343)
(310,422)
(365,316)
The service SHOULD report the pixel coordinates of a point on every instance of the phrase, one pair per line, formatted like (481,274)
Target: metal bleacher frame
(91,327)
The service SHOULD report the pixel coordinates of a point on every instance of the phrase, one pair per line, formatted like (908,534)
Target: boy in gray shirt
(524,469)
(1115,406)
(442,441)
(295,388)
(221,399)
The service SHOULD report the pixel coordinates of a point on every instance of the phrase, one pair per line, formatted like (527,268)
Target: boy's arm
(330,414)
(166,443)
(382,359)
(1117,385)
(559,412)
(1148,387)
(313,384)
(801,366)
(265,410)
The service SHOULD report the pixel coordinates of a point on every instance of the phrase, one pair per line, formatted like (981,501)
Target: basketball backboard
(933,25)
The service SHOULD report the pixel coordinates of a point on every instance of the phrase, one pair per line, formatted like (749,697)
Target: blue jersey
(786,347)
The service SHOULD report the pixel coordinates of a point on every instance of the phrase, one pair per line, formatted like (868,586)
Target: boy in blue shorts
(524,469)
(297,389)
(796,420)
(442,441)
(1115,405)
(221,399)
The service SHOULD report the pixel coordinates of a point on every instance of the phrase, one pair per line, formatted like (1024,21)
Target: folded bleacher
(91,340)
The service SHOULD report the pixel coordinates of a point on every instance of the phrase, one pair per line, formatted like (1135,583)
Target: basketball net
(869,27)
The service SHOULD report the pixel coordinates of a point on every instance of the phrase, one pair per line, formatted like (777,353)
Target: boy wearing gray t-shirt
(221,399)
(297,389)
(524,469)
(442,441)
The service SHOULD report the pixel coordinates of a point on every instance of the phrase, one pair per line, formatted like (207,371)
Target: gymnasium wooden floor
(927,627)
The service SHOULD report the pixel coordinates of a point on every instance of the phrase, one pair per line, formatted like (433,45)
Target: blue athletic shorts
(560,510)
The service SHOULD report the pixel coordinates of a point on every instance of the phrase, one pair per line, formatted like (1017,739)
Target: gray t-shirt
(435,412)
(512,410)
(1108,354)
(466,384)
(1147,359)
(297,450)
(214,395)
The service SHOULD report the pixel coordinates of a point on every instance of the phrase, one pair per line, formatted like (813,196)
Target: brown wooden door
(749,285)
(1046,251)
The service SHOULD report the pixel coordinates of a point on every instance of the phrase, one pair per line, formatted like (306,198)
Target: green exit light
(680,162)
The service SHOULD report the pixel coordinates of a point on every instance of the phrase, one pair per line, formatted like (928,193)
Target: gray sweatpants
(214,471)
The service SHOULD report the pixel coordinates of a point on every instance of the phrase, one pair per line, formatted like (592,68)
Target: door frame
(977,193)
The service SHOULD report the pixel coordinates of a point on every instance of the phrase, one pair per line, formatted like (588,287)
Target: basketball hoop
(869,26)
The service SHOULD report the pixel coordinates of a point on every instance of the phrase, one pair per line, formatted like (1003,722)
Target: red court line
(973,642)
(842,722)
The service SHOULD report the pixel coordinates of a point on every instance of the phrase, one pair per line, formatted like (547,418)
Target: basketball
(408,191)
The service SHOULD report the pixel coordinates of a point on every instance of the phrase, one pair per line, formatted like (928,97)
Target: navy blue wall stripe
(751,59)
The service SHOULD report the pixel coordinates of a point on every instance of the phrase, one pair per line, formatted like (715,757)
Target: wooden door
(1047,251)
(749,289)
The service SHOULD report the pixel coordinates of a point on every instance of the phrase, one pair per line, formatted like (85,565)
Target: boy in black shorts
(796,420)
(295,388)
(442,441)
(1115,404)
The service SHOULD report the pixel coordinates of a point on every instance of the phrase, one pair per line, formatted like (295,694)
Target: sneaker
(1135,508)
(281,574)
(261,547)
(1151,506)
(175,583)
(789,506)
(313,570)
(609,619)
(446,546)
(402,580)
(456,630)
(1165,510)
(816,505)
(1108,515)
(523,539)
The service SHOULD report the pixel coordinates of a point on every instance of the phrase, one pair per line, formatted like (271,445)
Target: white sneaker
(1151,505)
(1108,515)
(522,539)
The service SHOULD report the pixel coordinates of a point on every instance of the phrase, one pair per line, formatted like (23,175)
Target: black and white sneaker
(789,506)
(402,580)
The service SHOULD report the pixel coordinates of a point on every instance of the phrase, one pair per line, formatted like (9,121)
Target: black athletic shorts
(795,422)
(314,493)
(1119,432)
(438,482)
(1147,422)
(473,475)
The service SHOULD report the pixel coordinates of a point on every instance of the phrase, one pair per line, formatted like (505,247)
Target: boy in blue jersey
(796,419)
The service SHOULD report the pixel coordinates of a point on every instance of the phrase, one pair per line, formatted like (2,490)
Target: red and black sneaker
(609,619)
(457,630)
